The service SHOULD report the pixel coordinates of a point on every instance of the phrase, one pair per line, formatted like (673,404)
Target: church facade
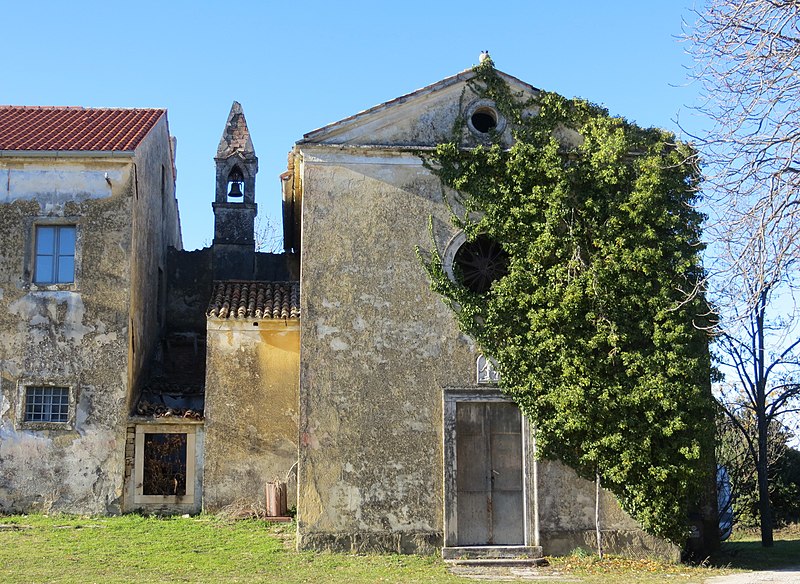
(406,443)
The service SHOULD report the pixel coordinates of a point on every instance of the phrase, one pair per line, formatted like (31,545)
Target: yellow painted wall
(251,417)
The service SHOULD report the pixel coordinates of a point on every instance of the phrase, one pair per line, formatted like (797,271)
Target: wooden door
(489,483)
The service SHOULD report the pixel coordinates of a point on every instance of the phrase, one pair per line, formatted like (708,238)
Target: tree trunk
(764,507)
(762,422)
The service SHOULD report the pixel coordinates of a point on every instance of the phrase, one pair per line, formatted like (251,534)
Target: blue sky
(298,66)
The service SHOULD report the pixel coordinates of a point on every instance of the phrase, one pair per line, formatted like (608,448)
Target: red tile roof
(258,300)
(74,128)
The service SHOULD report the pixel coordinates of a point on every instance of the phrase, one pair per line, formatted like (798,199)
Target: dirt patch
(785,576)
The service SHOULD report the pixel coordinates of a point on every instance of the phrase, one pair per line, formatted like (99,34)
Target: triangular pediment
(422,118)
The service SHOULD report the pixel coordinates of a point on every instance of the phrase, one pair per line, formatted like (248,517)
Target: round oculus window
(480,262)
(484,120)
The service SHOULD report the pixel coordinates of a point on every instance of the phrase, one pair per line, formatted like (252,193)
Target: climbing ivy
(594,328)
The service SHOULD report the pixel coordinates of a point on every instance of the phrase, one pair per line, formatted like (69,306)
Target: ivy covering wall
(596,324)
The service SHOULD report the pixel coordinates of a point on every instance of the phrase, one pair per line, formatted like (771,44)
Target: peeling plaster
(74,330)
(5,405)
(323,330)
(51,187)
(338,344)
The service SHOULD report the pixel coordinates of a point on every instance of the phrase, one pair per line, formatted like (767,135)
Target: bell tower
(234,204)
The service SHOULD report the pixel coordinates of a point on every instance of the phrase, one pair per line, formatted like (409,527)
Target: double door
(489,474)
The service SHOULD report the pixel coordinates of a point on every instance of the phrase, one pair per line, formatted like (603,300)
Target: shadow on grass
(749,555)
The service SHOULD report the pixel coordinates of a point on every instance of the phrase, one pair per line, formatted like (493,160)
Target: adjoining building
(87,212)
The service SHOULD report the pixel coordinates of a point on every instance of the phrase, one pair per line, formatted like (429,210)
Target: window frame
(51,400)
(489,107)
(451,250)
(29,267)
(56,253)
(139,498)
(23,385)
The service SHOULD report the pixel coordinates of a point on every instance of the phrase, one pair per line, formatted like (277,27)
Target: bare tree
(268,236)
(737,454)
(757,343)
(747,60)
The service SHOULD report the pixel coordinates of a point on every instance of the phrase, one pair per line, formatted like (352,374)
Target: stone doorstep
(492,552)
(497,562)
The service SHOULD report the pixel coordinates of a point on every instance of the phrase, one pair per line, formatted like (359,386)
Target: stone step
(496,562)
(498,552)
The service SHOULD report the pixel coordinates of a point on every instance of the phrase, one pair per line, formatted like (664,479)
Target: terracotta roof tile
(255,300)
(74,128)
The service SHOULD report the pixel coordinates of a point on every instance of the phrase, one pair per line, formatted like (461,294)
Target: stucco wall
(79,335)
(378,347)
(74,335)
(250,409)
(566,509)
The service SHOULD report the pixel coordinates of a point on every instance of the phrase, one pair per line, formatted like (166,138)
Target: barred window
(46,404)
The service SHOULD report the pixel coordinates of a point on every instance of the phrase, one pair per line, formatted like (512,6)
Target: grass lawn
(208,549)
(744,551)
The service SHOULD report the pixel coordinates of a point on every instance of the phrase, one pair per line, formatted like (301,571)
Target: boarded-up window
(164,464)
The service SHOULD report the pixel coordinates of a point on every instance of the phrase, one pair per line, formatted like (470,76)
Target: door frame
(451,397)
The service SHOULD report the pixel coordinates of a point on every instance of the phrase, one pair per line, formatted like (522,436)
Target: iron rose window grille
(480,262)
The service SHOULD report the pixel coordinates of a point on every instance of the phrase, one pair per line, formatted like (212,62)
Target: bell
(236,190)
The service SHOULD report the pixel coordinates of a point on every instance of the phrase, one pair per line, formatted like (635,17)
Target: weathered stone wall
(91,336)
(566,510)
(189,281)
(155,227)
(251,417)
(277,267)
(378,347)
(73,335)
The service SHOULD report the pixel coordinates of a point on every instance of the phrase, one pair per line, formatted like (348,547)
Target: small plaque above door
(487,373)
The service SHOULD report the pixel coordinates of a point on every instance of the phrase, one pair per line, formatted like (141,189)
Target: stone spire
(236,160)
(236,137)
